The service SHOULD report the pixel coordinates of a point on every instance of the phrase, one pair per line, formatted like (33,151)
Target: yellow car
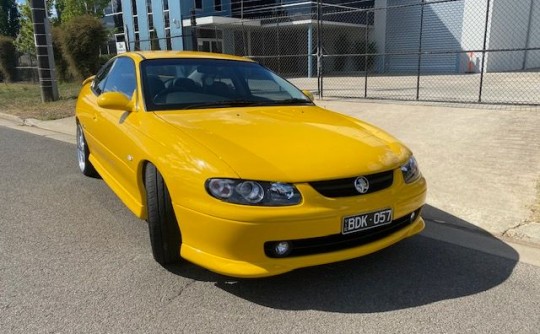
(236,170)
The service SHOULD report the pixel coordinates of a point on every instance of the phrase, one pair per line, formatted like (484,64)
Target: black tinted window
(184,83)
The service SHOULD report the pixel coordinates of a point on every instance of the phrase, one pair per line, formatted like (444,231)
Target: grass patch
(24,100)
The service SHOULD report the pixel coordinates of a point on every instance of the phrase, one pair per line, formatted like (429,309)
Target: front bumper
(235,247)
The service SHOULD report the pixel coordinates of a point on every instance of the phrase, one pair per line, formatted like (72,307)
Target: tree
(9,18)
(68,9)
(25,39)
(81,39)
(8,58)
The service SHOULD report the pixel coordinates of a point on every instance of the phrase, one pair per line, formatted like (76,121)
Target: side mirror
(113,100)
(308,94)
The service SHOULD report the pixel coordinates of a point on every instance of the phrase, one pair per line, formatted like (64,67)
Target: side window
(99,80)
(121,77)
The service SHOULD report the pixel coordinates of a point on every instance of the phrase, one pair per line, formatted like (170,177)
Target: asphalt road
(74,259)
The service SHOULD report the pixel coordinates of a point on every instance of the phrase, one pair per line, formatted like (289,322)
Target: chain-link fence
(431,50)
(468,51)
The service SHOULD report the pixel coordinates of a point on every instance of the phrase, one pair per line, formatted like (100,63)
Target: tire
(165,236)
(83,153)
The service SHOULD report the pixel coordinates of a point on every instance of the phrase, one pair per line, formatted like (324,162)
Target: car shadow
(415,272)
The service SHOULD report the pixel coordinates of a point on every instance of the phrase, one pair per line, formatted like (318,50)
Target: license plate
(365,221)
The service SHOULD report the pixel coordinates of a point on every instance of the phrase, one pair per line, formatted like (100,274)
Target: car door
(116,129)
(88,111)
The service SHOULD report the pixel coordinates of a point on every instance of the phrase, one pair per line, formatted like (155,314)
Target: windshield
(183,83)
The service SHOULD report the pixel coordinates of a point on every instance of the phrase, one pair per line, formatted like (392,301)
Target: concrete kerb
(463,182)
(61,129)
(16,120)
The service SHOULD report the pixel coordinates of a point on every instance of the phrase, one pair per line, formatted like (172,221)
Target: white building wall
(509,29)
(472,35)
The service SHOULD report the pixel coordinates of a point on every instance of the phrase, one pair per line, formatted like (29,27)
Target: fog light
(282,248)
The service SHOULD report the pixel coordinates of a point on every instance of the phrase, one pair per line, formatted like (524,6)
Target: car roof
(185,54)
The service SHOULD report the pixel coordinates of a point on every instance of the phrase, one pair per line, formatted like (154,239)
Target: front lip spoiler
(272,267)
(336,242)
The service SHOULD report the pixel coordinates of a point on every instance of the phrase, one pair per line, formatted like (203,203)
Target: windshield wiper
(243,103)
(289,101)
(221,104)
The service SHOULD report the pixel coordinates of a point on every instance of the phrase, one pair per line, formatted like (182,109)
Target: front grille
(337,242)
(345,187)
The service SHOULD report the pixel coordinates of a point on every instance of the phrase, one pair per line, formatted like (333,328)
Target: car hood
(290,144)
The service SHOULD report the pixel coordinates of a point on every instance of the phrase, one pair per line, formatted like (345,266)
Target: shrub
(103,59)
(8,58)
(63,72)
(81,39)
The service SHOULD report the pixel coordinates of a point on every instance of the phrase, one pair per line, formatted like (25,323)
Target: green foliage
(25,40)
(103,59)
(8,58)
(63,72)
(69,9)
(81,39)
(9,18)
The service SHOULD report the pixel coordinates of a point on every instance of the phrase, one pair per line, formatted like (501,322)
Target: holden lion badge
(361,184)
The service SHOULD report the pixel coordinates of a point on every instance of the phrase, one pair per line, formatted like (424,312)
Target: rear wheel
(165,235)
(83,153)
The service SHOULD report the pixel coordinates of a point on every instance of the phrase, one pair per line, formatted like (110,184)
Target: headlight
(410,170)
(253,192)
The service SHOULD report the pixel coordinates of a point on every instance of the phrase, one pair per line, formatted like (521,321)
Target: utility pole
(44,51)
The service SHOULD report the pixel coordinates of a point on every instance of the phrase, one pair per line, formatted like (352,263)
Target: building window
(107,10)
(217,5)
(165,4)
(150,21)
(134,7)
(116,6)
(149,6)
(167,20)
(118,23)
(198,4)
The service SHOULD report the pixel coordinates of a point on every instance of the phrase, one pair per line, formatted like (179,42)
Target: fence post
(420,51)
(310,50)
(366,41)
(528,36)
(484,52)
(319,50)
(278,47)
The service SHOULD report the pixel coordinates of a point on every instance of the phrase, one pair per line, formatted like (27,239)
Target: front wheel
(165,235)
(83,153)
